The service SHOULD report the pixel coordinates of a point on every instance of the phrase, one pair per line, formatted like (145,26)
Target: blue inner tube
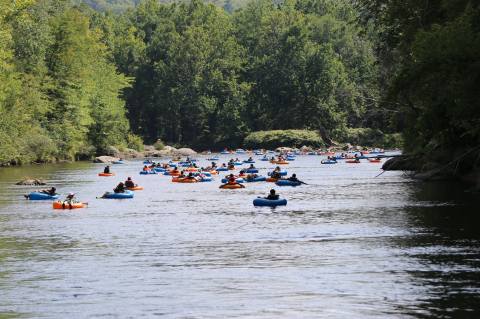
(256,179)
(148,172)
(126,194)
(118,162)
(213,159)
(238,180)
(329,162)
(251,171)
(286,182)
(224,152)
(159,169)
(147,162)
(282,173)
(222,169)
(237,163)
(290,159)
(269,202)
(41,196)
(249,162)
(264,159)
(206,179)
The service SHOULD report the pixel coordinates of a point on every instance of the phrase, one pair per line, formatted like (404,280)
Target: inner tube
(191,169)
(148,172)
(222,169)
(147,162)
(237,163)
(205,179)
(264,159)
(40,196)
(106,174)
(252,171)
(65,205)
(249,162)
(238,180)
(272,180)
(352,161)
(282,173)
(279,162)
(262,202)
(290,158)
(135,188)
(213,159)
(224,152)
(230,186)
(118,162)
(286,182)
(159,169)
(256,179)
(373,160)
(126,194)
(328,162)
(184,180)
(172,173)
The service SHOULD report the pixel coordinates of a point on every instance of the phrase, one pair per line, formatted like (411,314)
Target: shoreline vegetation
(82,78)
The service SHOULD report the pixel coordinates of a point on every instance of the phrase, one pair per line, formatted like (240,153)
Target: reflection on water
(347,244)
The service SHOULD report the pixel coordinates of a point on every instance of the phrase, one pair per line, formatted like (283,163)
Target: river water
(347,245)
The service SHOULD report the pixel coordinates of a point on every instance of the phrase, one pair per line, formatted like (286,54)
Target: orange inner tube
(174,173)
(230,186)
(272,180)
(136,188)
(191,169)
(184,180)
(352,162)
(106,174)
(374,160)
(280,162)
(59,205)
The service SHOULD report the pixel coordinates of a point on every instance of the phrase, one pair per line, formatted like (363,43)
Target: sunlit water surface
(347,245)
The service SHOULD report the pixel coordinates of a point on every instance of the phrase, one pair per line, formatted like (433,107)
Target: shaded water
(346,245)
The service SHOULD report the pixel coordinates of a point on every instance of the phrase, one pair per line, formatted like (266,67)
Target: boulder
(105,159)
(149,148)
(283,149)
(30,181)
(130,153)
(305,148)
(185,152)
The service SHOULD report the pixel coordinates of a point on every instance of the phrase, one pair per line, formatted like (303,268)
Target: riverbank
(460,164)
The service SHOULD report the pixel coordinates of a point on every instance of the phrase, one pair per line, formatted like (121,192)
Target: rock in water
(29,181)
(105,159)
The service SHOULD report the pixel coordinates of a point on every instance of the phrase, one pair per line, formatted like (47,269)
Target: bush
(135,142)
(159,145)
(371,137)
(278,138)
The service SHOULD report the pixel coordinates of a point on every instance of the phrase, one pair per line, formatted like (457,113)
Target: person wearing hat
(129,183)
(52,191)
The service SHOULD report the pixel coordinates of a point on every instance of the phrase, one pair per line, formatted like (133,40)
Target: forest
(79,76)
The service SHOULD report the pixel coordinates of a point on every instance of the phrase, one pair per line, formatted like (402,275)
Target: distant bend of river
(347,245)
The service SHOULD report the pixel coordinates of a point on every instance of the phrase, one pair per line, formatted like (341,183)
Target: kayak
(286,182)
(106,174)
(252,171)
(238,180)
(126,194)
(40,196)
(256,179)
(263,202)
(65,205)
(135,188)
(148,172)
(282,173)
(230,186)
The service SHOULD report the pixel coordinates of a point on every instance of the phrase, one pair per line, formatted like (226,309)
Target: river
(347,245)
